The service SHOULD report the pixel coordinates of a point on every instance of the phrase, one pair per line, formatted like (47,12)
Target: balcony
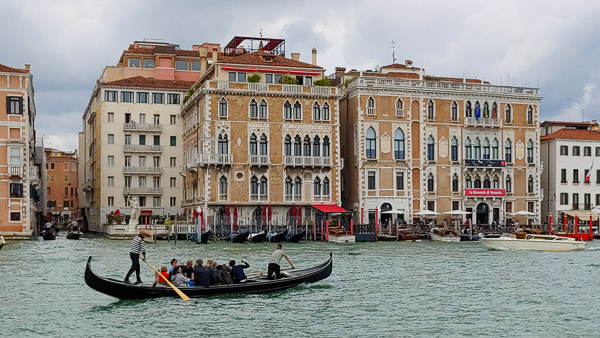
(307,161)
(292,198)
(483,122)
(261,198)
(132,126)
(575,206)
(135,148)
(143,170)
(271,87)
(259,160)
(215,159)
(587,206)
(485,163)
(142,191)
(15,170)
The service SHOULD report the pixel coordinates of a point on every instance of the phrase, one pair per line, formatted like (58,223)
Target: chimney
(296,56)
(203,51)
(408,63)
(27,67)
(214,55)
(339,72)
(314,56)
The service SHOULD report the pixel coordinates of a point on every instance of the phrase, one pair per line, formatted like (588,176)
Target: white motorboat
(533,242)
(342,238)
(441,235)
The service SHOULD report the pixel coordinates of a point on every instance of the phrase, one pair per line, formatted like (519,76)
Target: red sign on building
(485,192)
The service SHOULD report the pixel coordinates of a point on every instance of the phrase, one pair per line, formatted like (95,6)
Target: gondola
(277,237)
(122,290)
(295,238)
(73,235)
(49,235)
(257,237)
(205,237)
(240,238)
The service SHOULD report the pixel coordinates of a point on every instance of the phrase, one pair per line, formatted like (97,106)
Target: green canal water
(376,289)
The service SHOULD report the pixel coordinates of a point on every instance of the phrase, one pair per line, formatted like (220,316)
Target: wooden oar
(179,292)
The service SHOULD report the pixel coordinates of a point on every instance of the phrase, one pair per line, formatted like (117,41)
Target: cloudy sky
(550,44)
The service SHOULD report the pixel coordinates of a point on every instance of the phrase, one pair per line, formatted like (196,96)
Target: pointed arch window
(430,182)
(287,145)
(486,110)
(253,109)
(468,149)
(263,111)
(454,149)
(316,112)
(254,188)
(399,108)
(325,186)
(454,111)
(264,188)
(496,183)
(508,184)
(486,183)
(399,144)
(494,110)
(486,149)
(477,149)
(223,188)
(316,146)
(529,115)
(297,111)
(508,151)
(297,189)
(223,145)
(326,149)
(530,184)
(530,151)
(508,114)
(495,155)
(430,148)
(454,183)
(223,107)
(468,182)
(371,143)
(477,182)
(306,145)
(325,112)
(264,145)
(287,110)
(468,109)
(430,110)
(297,146)
(317,186)
(370,106)
(253,144)
(289,188)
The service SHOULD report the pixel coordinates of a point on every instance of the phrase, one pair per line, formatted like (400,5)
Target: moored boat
(122,290)
(73,235)
(295,238)
(240,238)
(204,237)
(442,235)
(533,242)
(49,235)
(277,236)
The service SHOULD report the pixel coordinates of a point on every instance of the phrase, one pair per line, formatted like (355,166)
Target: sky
(552,45)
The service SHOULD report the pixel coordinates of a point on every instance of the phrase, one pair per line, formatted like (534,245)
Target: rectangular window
(128,139)
(530,206)
(575,150)
(587,201)
(52,178)
(110,161)
(127,182)
(173,141)
(400,180)
(173,161)
(455,205)
(575,175)
(597,151)
(66,166)
(597,199)
(66,191)
(111,201)
(508,206)
(173,98)
(587,151)
(196,65)
(156,161)
(563,175)
(597,176)
(181,65)
(277,78)
(127,117)
(308,80)
(431,205)
(15,216)
(142,161)
(128,161)
(156,119)
(14,105)
(142,140)
(564,150)
(142,201)
(142,97)
(576,201)
(111,138)
(371,180)
(158,98)
(269,78)
(156,201)
(126,96)
(564,198)
(173,119)
(16,190)
(111,117)
(156,140)
(141,181)
(148,63)
(173,182)
(66,178)
(142,118)
(232,76)
(241,77)
(111,181)
(134,63)
(110,96)
(173,201)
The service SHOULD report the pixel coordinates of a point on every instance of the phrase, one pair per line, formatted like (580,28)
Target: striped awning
(581,214)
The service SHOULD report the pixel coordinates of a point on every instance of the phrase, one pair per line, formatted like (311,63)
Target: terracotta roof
(572,134)
(165,50)
(257,59)
(143,82)
(7,69)
(566,123)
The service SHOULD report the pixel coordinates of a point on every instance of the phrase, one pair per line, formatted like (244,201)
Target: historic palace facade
(261,138)
(413,142)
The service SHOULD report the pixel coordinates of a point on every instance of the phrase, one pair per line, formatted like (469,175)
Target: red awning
(145,211)
(328,208)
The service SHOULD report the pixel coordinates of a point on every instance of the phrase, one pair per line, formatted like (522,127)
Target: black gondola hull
(278,237)
(258,237)
(121,290)
(73,235)
(295,238)
(49,236)
(240,238)
(204,237)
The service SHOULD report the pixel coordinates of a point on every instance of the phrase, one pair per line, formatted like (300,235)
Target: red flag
(589,173)
(195,214)
(201,220)
(235,217)
(299,215)
(263,216)
(270,213)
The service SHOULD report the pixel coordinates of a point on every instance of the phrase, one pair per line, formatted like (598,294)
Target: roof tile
(257,59)
(572,134)
(142,82)
(7,69)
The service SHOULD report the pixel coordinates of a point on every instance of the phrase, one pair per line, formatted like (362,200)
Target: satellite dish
(377,68)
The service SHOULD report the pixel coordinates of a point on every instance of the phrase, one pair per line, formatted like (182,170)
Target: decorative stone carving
(520,150)
(385,143)
(443,148)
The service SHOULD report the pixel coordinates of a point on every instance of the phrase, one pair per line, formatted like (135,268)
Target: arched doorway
(483,213)
(386,219)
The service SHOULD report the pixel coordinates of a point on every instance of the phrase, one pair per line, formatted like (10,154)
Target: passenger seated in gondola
(201,277)
(179,279)
(226,274)
(237,272)
(173,265)
(188,269)
(162,277)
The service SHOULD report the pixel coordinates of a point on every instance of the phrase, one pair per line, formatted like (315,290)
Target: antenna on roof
(393,47)
(260,32)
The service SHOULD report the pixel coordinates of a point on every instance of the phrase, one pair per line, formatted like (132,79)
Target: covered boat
(533,242)
(442,235)
(122,290)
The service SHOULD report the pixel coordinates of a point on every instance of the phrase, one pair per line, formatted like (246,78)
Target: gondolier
(137,248)
(274,267)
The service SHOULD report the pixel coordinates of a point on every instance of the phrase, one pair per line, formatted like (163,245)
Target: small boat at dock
(442,235)
(277,237)
(73,235)
(533,242)
(295,238)
(49,235)
(257,237)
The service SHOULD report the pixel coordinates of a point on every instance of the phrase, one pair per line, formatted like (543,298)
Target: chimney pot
(314,56)
(203,51)
(340,69)
(408,63)
(27,67)
(295,56)
(214,55)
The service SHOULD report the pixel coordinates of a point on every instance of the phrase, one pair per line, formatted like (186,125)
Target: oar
(179,292)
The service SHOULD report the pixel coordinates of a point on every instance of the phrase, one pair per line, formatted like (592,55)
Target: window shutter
(8,104)
(21,105)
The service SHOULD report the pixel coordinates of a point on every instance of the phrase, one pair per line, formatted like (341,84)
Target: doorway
(482,213)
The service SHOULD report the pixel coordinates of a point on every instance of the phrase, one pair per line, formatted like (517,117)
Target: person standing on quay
(137,248)
(274,267)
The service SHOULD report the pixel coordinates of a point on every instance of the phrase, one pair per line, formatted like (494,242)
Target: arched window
(264,188)
(297,146)
(264,145)
(529,115)
(486,182)
(468,109)
(306,145)
(430,182)
(222,107)
(371,143)
(477,110)
(317,187)
(254,188)
(430,110)
(399,144)
(253,145)
(494,110)
(530,151)
(455,183)
(370,106)
(486,149)
(326,146)
(287,145)
(495,155)
(297,111)
(287,110)
(468,182)
(316,146)
(325,112)
(496,183)
(263,111)
(326,186)
(486,110)
(399,108)
(454,149)
(316,112)
(430,148)
(508,114)
(253,109)
(530,184)
(508,151)
(477,149)
(468,149)
(508,184)
(223,188)
(289,188)
(477,181)
(454,111)
(223,144)
(297,189)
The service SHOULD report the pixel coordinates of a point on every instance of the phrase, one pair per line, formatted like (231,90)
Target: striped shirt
(137,245)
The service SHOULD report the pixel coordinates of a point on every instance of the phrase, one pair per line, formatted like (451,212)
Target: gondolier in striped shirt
(137,248)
